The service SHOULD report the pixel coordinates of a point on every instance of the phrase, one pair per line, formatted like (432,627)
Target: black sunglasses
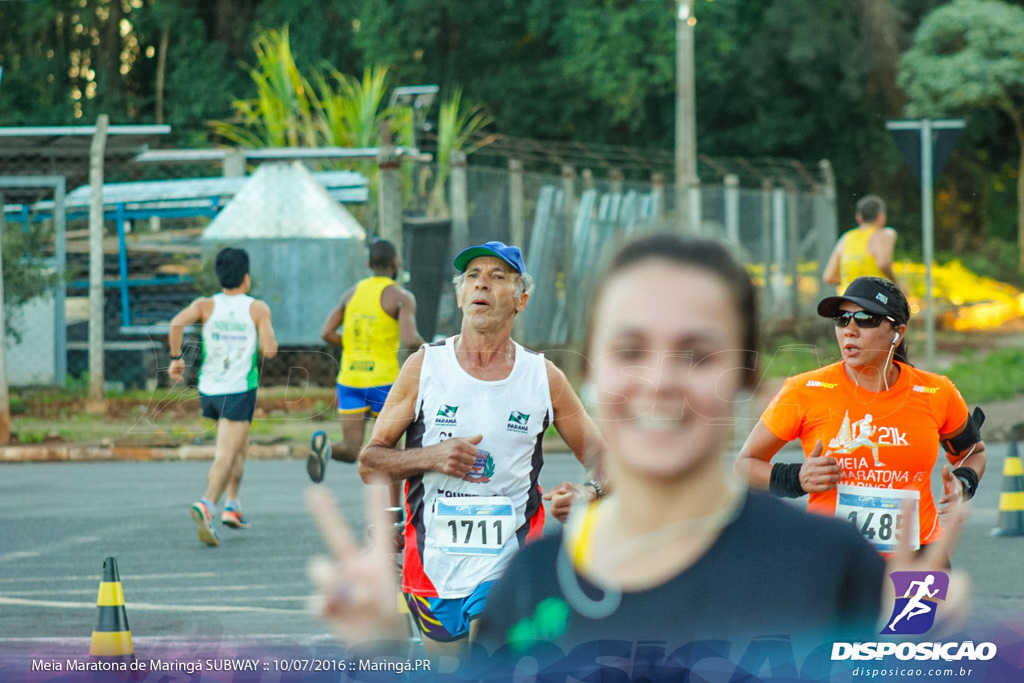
(863,319)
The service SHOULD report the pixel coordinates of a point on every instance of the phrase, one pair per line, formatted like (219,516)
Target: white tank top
(229,347)
(512,414)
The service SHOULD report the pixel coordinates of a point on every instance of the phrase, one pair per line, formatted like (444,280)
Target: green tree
(25,274)
(502,52)
(622,56)
(968,55)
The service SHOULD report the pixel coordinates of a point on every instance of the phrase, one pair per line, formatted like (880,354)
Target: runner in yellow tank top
(864,250)
(369,339)
(377,317)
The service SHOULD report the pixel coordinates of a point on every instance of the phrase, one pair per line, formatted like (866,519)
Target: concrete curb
(111,452)
(60,452)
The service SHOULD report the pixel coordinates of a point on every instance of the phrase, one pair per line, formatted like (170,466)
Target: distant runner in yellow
(376,317)
(864,250)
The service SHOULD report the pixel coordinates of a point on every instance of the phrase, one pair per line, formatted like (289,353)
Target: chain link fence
(574,223)
(568,223)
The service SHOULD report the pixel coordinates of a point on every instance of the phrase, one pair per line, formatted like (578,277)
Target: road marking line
(149,607)
(129,577)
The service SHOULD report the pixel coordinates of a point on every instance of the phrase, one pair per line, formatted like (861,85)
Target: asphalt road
(59,521)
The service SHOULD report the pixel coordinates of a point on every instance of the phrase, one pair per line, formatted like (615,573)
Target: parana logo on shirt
(517,422)
(446,415)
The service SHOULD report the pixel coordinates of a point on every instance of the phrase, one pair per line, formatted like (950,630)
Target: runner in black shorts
(236,327)
(237,407)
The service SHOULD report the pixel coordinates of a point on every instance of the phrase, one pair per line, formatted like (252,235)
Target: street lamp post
(419,98)
(687,216)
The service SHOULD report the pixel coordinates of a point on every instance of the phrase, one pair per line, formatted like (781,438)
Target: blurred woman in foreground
(681,551)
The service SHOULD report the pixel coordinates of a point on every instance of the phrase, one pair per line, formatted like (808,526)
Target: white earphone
(896,338)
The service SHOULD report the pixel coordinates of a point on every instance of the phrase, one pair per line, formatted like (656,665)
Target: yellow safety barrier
(1011,500)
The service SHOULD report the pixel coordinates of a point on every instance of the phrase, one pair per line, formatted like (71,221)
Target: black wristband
(969,478)
(179,356)
(785,481)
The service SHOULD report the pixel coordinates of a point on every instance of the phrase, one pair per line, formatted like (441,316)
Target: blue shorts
(238,407)
(445,620)
(353,400)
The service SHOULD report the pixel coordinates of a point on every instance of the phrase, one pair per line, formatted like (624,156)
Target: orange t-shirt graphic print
(885,440)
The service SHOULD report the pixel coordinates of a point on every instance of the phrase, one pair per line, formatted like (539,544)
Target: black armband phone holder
(967,438)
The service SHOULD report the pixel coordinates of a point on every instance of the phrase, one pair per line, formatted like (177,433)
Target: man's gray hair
(524,283)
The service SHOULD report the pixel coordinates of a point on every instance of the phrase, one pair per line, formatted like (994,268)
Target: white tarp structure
(283,200)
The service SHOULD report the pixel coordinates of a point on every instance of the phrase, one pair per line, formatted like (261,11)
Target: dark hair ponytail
(901,312)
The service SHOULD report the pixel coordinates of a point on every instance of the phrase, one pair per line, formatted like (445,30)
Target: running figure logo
(914,612)
(853,436)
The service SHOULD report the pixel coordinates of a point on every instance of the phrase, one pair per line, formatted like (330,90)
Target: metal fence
(573,224)
(568,225)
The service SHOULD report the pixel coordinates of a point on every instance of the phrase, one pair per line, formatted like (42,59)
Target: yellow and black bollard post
(1011,500)
(112,637)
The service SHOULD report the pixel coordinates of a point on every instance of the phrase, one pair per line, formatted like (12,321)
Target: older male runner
(474,409)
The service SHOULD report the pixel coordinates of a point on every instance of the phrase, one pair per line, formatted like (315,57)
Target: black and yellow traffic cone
(112,637)
(1011,500)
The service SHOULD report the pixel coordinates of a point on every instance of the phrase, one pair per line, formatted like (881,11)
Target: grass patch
(998,376)
(17,406)
(790,359)
(31,436)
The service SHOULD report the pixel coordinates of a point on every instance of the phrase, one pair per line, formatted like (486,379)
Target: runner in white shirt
(474,409)
(236,328)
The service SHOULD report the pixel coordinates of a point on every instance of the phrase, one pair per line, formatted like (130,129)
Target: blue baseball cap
(510,255)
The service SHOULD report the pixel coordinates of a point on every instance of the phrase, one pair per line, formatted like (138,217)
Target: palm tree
(329,108)
(458,128)
(281,114)
(350,110)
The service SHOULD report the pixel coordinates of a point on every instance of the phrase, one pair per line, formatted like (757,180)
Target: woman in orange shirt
(870,426)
